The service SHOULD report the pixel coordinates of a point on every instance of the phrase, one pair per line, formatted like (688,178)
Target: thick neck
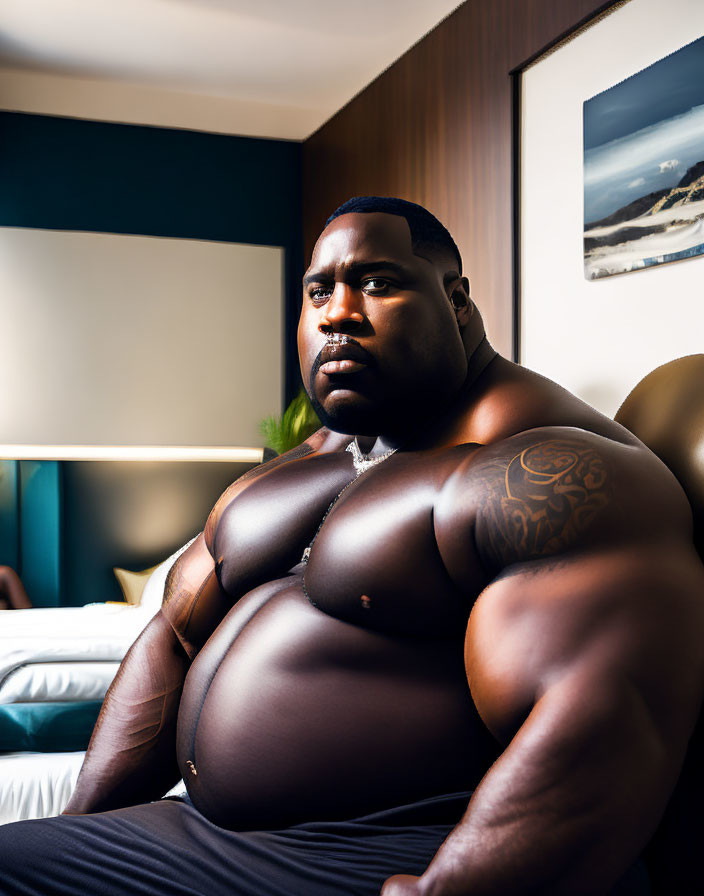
(430,433)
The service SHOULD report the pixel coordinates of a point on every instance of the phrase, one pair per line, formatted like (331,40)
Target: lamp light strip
(130,452)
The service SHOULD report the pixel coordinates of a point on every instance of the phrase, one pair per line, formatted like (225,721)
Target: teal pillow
(47,727)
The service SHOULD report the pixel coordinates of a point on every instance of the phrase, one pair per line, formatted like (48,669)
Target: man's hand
(402,885)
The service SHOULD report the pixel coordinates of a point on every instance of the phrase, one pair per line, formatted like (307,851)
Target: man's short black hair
(426,230)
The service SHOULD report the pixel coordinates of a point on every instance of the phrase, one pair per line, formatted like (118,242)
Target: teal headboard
(30,537)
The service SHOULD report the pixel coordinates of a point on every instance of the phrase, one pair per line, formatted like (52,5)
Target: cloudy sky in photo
(644,133)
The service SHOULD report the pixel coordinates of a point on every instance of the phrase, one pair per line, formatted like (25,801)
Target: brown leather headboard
(666,411)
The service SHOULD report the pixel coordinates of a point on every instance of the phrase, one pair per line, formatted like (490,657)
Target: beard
(356,416)
(351,419)
(375,404)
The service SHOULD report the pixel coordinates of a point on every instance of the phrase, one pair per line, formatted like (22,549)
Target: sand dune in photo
(662,227)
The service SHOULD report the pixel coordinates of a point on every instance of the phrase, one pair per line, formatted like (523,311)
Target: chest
(372,556)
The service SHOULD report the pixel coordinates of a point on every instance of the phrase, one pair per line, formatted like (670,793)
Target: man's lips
(330,368)
(348,357)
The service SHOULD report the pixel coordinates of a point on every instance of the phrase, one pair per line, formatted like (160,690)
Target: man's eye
(320,293)
(376,285)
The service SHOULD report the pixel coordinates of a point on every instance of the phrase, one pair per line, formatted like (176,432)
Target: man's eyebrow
(357,269)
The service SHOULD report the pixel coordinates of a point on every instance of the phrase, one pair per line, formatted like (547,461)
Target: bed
(55,668)
(65,526)
(56,665)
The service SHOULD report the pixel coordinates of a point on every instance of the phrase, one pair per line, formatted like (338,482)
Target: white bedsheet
(39,682)
(98,632)
(53,654)
(36,785)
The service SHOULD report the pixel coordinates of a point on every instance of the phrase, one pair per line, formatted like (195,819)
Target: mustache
(346,348)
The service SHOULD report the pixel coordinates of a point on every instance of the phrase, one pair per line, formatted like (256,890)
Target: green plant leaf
(298,421)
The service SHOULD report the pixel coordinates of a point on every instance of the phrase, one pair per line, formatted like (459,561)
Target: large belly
(289,714)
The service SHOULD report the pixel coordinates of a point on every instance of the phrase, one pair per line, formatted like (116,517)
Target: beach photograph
(644,167)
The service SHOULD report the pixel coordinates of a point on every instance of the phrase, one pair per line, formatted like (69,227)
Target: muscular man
(467,610)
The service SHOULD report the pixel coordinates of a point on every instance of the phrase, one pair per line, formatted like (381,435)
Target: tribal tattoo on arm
(541,501)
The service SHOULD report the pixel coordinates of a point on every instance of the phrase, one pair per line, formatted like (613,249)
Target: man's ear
(461,302)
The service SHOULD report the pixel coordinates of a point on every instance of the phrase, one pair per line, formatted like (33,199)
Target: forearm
(561,812)
(131,757)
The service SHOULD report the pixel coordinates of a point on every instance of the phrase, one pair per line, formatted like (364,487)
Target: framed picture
(599,337)
(644,167)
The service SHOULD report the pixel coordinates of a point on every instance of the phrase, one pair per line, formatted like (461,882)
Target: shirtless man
(490,588)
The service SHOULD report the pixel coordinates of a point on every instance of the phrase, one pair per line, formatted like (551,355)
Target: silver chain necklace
(362,462)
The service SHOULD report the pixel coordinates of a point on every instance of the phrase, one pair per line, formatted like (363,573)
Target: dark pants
(168,848)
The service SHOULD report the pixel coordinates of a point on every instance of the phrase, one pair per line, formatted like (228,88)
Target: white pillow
(153,593)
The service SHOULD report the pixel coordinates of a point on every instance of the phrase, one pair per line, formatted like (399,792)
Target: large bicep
(631,613)
(583,549)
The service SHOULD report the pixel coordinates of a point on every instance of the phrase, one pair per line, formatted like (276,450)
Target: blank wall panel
(114,340)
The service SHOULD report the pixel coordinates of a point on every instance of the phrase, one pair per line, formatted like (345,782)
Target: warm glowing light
(129,452)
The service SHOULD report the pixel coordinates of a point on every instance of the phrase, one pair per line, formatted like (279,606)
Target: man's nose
(344,312)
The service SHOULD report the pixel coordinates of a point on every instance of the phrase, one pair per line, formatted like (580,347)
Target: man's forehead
(364,236)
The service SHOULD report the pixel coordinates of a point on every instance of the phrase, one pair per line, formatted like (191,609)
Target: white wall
(597,338)
(113,340)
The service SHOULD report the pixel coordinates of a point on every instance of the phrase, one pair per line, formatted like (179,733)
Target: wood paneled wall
(437,128)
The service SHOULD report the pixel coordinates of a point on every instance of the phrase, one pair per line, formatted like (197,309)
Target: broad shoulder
(556,489)
(513,400)
(323,441)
